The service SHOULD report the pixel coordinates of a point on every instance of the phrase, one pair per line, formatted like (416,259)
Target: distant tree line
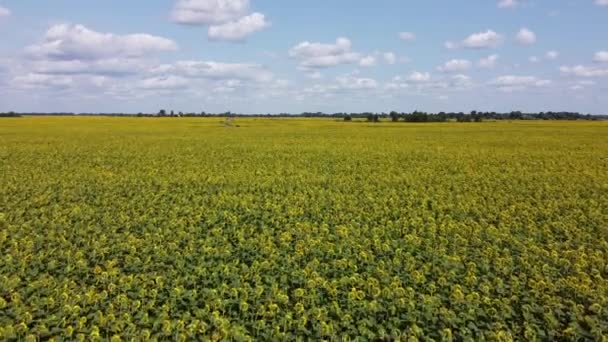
(10,115)
(416,116)
(473,116)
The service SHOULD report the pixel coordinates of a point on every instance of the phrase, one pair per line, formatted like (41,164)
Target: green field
(302,229)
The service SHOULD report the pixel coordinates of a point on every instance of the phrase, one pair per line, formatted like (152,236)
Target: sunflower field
(137,229)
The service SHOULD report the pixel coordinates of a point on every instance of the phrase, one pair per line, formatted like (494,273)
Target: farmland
(302,229)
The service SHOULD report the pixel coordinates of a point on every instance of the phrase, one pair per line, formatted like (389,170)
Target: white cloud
(455,65)
(215,70)
(320,55)
(586,83)
(601,2)
(238,30)
(525,37)
(601,56)
(99,81)
(390,58)
(228,20)
(407,36)
(461,81)
(510,83)
(72,42)
(583,71)
(577,87)
(508,3)
(33,80)
(209,12)
(395,86)
(164,82)
(343,84)
(422,82)
(488,62)
(551,55)
(580,85)
(4,12)
(315,75)
(368,61)
(111,66)
(356,83)
(511,80)
(419,77)
(482,40)
(450,45)
(542,83)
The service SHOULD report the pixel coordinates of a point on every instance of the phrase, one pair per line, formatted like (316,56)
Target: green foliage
(302,229)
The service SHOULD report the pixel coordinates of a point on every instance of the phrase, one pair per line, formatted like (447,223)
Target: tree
(348,118)
(162,112)
(394,116)
(417,116)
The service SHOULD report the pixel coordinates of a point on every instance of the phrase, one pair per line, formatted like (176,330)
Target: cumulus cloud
(460,81)
(450,45)
(508,3)
(601,2)
(510,83)
(4,12)
(209,12)
(352,82)
(461,78)
(488,62)
(419,77)
(320,55)
(215,70)
(525,37)
(580,85)
(343,84)
(583,71)
(228,20)
(76,42)
(228,86)
(238,30)
(455,65)
(480,40)
(111,66)
(368,61)
(601,56)
(315,75)
(71,50)
(34,80)
(163,82)
(551,55)
(407,36)
(396,84)
(422,82)
(390,57)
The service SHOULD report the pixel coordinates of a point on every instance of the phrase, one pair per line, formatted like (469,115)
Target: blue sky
(263,56)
